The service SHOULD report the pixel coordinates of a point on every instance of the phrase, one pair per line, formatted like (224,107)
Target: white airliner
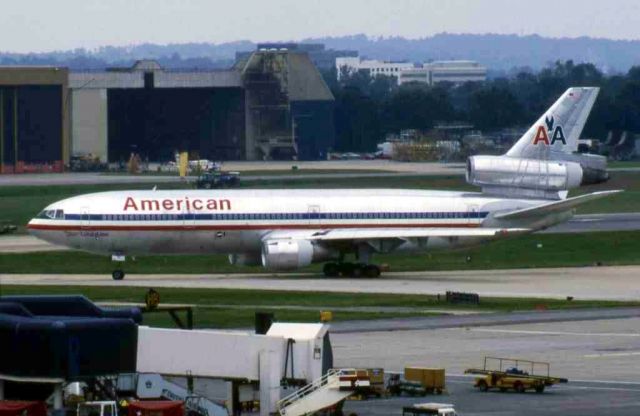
(522,191)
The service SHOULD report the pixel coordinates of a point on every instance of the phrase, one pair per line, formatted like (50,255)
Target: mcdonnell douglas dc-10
(524,190)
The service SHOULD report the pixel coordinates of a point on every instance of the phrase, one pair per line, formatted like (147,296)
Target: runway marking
(631,383)
(573,380)
(597,388)
(525,332)
(613,354)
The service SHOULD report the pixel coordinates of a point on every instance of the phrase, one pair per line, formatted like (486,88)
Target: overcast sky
(45,25)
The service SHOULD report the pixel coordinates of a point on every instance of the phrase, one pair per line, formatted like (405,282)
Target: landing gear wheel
(540,389)
(356,270)
(346,269)
(117,275)
(483,386)
(331,270)
(518,387)
(371,270)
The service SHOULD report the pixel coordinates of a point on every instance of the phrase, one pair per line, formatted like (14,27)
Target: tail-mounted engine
(525,177)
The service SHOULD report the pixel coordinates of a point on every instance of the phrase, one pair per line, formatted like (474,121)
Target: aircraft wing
(403,233)
(366,234)
(555,206)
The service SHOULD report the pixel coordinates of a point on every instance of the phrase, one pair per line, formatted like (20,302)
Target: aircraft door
(85,218)
(314,214)
(472,213)
(188,219)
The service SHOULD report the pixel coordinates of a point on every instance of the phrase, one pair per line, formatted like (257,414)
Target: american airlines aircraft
(522,191)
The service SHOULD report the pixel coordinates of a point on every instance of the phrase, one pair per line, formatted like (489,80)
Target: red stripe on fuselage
(187,227)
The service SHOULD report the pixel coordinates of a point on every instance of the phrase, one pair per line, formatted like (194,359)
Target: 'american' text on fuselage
(132,204)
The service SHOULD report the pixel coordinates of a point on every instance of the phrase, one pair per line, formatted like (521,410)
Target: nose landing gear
(118,274)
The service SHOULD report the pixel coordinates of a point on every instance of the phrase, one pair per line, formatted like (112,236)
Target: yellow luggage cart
(520,375)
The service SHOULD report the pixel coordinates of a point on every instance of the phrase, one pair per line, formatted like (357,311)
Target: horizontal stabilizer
(553,207)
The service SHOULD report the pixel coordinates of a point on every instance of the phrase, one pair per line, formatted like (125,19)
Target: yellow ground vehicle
(417,381)
(514,374)
(376,385)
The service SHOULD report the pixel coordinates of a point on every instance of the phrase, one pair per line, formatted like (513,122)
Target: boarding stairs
(324,392)
(154,386)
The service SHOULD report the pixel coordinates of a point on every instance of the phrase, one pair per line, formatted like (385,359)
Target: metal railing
(306,390)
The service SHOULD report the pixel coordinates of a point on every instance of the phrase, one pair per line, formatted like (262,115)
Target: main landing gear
(351,270)
(117,274)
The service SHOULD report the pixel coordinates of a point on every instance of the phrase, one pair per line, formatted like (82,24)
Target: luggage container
(432,380)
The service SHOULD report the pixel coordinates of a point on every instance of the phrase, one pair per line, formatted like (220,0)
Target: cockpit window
(51,214)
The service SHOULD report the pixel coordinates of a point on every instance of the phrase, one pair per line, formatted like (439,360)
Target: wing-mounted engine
(502,175)
(290,254)
(245,259)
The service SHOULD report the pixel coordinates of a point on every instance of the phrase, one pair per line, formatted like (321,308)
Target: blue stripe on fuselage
(279,216)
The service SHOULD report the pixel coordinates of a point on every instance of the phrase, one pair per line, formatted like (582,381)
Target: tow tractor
(514,374)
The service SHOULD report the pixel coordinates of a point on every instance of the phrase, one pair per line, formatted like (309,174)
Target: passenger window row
(280,216)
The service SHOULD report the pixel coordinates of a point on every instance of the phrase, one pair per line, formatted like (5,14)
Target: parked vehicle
(438,409)
(417,382)
(218,179)
(506,374)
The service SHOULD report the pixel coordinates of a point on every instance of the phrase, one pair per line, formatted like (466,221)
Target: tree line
(368,108)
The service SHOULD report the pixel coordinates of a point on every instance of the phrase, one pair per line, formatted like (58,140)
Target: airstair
(154,386)
(324,392)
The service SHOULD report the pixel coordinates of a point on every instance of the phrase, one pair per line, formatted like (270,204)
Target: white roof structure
(297,331)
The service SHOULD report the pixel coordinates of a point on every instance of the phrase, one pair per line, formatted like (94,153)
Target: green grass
(206,314)
(626,164)
(538,250)
(627,201)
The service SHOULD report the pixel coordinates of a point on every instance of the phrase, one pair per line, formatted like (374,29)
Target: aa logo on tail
(543,133)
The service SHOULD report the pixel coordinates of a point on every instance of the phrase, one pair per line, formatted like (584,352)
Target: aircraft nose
(31,229)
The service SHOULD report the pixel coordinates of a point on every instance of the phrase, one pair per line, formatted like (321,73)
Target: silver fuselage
(237,221)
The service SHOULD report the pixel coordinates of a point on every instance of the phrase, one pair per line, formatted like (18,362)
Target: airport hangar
(273,104)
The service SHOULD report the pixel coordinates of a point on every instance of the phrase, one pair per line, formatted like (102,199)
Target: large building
(455,72)
(350,65)
(34,123)
(273,104)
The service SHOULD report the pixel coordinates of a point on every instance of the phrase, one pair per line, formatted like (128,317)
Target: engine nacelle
(245,260)
(281,255)
(509,172)
(594,167)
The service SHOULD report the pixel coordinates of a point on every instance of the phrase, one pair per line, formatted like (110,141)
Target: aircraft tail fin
(559,128)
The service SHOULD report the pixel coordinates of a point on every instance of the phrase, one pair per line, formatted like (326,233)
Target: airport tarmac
(386,168)
(599,357)
(573,399)
(613,283)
